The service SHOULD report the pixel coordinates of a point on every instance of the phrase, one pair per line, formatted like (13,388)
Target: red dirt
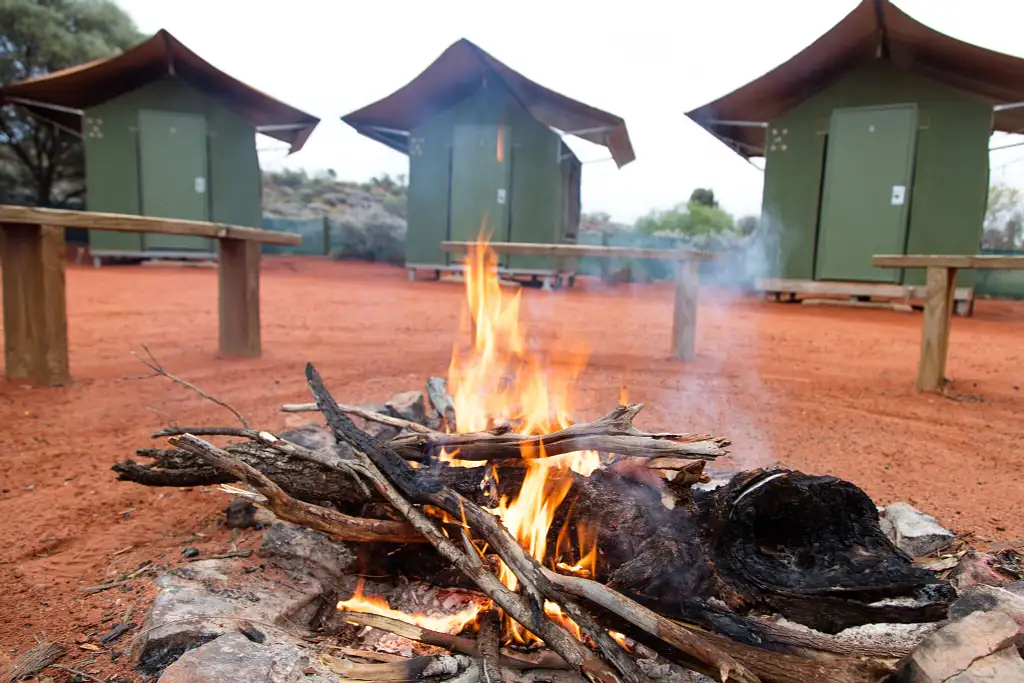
(823,390)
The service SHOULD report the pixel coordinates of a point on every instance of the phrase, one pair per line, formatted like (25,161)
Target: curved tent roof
(875,29)
(61,96)
(458,73)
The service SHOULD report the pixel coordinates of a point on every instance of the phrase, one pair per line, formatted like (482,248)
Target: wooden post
(35,318)
(684,314)
(938,314)
(327,236)
(239,282)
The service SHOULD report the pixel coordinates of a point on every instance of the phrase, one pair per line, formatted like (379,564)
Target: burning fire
(499,379)
(449,623)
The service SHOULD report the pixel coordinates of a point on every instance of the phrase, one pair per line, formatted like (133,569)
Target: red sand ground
(823,390)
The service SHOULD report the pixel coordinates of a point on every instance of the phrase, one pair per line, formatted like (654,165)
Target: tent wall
(113,170)
(533,209)
(950,186)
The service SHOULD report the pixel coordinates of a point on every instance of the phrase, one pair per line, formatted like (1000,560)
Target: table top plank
(94,220)
(584,251)
(960,261)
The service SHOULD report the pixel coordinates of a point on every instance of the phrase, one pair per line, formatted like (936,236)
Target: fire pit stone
(913,532)
(233,658)
(202,601)
(302,551)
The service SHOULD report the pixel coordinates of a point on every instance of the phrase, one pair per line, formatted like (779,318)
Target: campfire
(580,545)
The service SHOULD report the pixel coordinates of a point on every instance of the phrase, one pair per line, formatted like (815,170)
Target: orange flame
(500,379)
(448,623)
(499,152)
(623,395)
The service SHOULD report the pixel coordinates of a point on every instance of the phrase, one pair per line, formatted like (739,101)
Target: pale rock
(409,405)
(912,531)
(232,658)
(982,598)
(952,649)
(302,551)
(1004,666)
(196,603)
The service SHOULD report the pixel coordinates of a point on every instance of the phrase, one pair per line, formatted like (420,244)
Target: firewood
(437,393)
(612,433)
(333,523)
(364,413)
(691,643)
(460,644)
(487,640)
(418,486)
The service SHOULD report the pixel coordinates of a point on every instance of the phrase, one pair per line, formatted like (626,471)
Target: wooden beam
(938,314)
(35,318)
(684,311)
(964,262)
(843,288)
(239,284)
(584,251)
(94,220)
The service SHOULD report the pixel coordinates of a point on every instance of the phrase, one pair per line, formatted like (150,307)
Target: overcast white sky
(647,61)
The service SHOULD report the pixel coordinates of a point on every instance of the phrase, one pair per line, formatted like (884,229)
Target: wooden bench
(32,254)
(939,293)
(687,269)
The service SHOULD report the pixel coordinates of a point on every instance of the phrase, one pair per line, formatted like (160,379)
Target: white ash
(895,637)
(902,637)
(896,602)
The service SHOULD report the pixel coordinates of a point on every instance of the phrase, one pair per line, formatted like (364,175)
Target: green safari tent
(165,134)
(876,140)
(486,150)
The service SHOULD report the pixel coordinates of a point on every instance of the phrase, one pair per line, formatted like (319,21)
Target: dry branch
(460,644)
(364,413)
(333,523)
(613,433)
(43,655)
(687,642)
(159,371)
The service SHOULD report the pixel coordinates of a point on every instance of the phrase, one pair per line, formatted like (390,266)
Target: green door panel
(429,157)
(481,169)
(870,156)
(173,175)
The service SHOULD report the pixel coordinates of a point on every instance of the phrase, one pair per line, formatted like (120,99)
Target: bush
(374,237)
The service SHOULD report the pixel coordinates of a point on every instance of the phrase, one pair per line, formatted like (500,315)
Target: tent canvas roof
(875,29)
(458,73)
(61,96)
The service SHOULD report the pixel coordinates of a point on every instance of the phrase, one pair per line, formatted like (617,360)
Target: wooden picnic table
(32,255)
(687,277)
(938,303)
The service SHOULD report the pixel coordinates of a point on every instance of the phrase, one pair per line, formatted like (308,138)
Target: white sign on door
(899,195)
(200,184)
(501,195)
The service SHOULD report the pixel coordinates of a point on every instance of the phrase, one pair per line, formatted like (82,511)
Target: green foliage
(691,219)
(375,239)
(704,197)
(747,225)
(46,165)
(1004,218)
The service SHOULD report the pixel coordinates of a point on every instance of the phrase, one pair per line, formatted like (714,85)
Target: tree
(1004,218)
(36,38)
(704,197)
(691,219)
(747,225)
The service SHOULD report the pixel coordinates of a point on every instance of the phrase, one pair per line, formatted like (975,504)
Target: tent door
(481,184)
(174,180)
(866,193)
